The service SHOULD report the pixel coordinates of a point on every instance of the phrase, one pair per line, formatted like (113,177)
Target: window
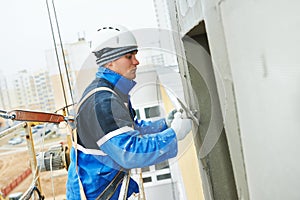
(162,165)
(159,173)
(147,179)
(145,169)
(137,112)
(152,112)
(163,176)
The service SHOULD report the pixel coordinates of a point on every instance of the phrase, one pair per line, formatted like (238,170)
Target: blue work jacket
(110,138)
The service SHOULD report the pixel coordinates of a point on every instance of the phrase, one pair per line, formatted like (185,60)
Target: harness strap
(82,194)
(111,188)
(90,93)
(90,151)
(124,187)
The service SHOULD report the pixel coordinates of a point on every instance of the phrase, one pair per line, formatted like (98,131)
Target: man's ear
(108,65)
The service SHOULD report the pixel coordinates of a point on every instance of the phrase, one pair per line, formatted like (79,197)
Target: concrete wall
(261,45)
(254,49)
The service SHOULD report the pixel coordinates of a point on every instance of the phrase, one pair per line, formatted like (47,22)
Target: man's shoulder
(96,83)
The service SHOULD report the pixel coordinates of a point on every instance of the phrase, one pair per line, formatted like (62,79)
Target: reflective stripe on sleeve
(113,134)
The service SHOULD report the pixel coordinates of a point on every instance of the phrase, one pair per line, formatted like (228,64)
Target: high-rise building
(5,102)
(44,91)
(64,67)
(24,91)
(32,91)
(166,34)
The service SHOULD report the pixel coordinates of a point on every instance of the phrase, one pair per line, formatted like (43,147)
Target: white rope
(42,142)
(51,175)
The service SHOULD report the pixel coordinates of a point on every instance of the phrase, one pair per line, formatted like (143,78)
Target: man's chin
(131,76)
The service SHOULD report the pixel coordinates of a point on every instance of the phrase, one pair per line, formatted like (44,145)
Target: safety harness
(119,177)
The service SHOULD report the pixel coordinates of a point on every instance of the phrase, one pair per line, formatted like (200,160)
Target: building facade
(64,68)
(32,90)
(5,101)
(240,59)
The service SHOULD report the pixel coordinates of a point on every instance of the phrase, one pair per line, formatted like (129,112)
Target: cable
(63,53)
(53,191)
(5,115)
(57,58)
(42,143)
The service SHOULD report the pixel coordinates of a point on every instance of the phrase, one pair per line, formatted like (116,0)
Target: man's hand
(170,117)
(181,126)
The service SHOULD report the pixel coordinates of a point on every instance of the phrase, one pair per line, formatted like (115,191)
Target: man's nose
(135,61)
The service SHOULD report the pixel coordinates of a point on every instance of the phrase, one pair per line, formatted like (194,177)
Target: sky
(26,33)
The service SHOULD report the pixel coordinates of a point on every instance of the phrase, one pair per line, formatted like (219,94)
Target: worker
(110,140)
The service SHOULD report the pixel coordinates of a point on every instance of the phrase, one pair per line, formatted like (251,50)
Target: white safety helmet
(111,42)
(113,36)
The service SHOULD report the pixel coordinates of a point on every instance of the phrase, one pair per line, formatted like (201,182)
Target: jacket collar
(120,82)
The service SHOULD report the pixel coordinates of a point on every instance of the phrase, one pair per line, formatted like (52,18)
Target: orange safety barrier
(6,190)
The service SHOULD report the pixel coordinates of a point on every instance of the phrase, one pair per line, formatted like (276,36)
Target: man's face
(125,65)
